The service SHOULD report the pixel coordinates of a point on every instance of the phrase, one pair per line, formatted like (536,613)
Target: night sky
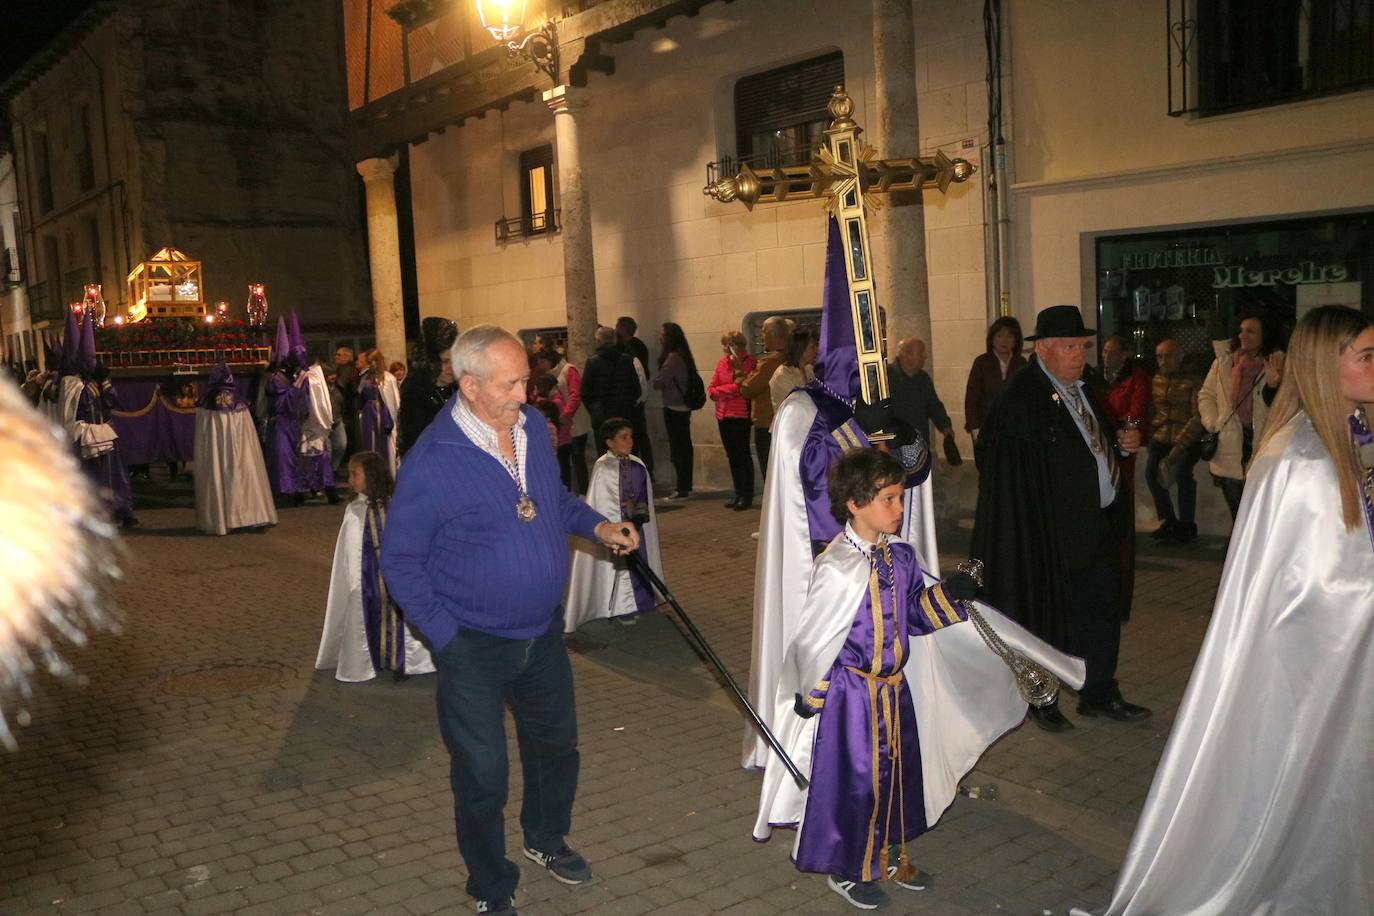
(27,25)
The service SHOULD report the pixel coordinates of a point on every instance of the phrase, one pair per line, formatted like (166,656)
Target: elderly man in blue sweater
(476,555)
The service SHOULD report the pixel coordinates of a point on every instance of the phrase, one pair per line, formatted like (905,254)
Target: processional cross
(849,175)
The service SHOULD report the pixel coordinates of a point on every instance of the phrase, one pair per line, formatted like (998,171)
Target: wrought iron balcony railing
(544,222)
(1225,57)
(774,157)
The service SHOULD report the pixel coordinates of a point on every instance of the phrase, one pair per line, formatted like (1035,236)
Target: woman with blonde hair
(1267,774)
(379,399)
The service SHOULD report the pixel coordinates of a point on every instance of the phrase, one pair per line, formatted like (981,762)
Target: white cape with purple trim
(783,562)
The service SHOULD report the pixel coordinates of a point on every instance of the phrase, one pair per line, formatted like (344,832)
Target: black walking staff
(711,656)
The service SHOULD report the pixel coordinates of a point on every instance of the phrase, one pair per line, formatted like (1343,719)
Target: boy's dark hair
(550,411)
(376,477)
(612,426)
(859,475)
(545,383)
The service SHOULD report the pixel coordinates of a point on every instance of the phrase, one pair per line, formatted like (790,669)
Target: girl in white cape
(1263,800)
(601,585)
(363,629)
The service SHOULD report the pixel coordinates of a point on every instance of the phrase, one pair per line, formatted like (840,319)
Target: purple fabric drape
(152,429)
(108,471)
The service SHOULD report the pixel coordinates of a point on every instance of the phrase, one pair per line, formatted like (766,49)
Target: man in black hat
(1052,511)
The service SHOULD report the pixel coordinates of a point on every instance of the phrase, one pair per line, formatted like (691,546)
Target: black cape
(1038,515)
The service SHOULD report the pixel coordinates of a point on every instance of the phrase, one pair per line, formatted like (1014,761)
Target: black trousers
(479,674)
(1095,623)
(763,441)
(572,464)
(1187,485)
(734,435)
(679,425)
(1231,489)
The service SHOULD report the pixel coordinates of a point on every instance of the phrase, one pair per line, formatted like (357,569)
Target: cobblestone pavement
(200,765)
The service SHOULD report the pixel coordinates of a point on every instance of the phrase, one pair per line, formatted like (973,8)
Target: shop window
(780,114)
(1230,55)
(1192,284)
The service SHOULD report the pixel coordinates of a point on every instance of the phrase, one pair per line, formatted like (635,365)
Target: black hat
(1060,321)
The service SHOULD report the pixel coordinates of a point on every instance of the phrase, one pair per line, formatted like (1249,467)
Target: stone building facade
(211,126)
(1094,153)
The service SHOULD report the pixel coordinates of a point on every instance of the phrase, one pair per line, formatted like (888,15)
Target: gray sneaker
(565,865)
(866,895)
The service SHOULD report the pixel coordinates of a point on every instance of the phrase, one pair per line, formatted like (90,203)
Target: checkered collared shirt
(485,437)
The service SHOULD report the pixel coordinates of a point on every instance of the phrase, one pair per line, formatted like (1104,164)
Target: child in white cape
(602,585)
(363,629)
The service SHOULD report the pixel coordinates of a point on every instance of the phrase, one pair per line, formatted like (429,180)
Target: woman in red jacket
(732,416)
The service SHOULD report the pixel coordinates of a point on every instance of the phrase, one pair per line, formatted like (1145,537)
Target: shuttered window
(780,114)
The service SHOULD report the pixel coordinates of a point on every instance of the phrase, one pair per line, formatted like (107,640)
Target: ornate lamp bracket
(540,47)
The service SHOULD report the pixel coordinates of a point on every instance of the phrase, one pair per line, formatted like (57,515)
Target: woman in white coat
(1234,401)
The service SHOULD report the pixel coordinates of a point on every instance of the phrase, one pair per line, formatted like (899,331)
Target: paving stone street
(200,765)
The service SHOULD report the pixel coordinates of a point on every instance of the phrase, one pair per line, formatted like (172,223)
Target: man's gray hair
(778,327)
(468,355)
(605,336)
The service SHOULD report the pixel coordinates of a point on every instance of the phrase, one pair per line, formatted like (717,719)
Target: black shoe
(1116,709)
(298,499)
(565,865)
(504,907)
(743,507)
(129,521)
(1049,718)
(732,502)
(1165,531)
(1184,533)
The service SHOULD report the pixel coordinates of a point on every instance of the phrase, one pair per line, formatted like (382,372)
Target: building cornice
(52,53)
(1190,167)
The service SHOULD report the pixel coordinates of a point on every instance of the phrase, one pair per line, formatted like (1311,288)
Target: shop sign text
(1237,277)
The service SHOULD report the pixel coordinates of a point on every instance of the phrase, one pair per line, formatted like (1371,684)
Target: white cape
(343,645)
(596,587)
(317,423)
(1263,802)
(783,562)
(391,397)
(965,697)
(232,489)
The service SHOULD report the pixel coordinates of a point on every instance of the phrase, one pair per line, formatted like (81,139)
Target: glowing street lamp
(505,20)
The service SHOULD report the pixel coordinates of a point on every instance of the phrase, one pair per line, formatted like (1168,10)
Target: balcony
(518,227)
(1243,55)
(776,156)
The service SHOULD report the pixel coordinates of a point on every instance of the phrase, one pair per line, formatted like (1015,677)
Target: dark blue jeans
(478,675)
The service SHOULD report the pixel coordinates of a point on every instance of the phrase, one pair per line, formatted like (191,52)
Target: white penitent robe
(965,696)
(783,565)
(599,585)
(391,397)
(1264,799)
(232,489)
(343,644)
(318,421)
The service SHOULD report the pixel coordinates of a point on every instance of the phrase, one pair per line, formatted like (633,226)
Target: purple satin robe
(374,420)
(846,830)
(289,470)
(382,621)
(634,508)
(107,471)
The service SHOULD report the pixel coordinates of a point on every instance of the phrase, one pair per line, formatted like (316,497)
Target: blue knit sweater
(454,554)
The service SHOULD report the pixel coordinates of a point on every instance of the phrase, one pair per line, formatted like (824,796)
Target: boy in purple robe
(600,584)
(866,798)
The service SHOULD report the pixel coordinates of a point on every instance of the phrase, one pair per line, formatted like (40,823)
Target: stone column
(897,231)
(384,256)
(579,267)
